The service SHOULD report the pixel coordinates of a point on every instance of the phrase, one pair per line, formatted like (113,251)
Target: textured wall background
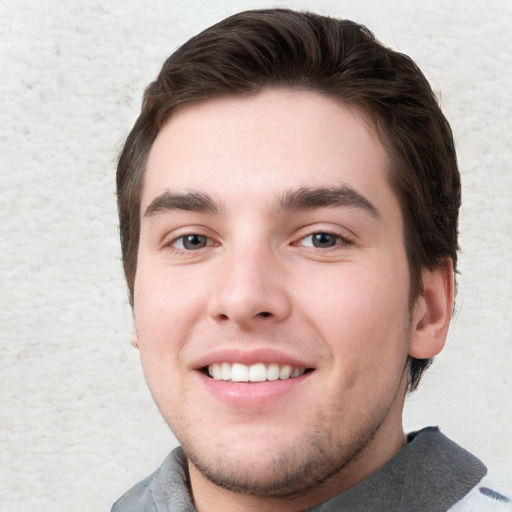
(77,425)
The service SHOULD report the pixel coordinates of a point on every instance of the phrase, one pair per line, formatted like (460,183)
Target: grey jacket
(430,474)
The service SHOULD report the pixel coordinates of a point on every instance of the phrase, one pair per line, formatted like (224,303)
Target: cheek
(362,315)
(165,311)
(162,323)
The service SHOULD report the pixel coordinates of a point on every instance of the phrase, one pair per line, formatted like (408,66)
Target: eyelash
(338,240)
(183,238)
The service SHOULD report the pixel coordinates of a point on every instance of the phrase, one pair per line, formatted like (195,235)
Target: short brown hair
(255,50)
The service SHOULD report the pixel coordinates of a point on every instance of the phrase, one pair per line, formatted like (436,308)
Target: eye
(322,240)
(191,242)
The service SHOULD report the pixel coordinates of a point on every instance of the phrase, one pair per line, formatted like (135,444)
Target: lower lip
(252,394)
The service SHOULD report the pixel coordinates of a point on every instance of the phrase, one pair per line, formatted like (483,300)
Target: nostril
(265,314)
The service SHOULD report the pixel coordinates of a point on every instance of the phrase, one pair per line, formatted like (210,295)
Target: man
(288,203)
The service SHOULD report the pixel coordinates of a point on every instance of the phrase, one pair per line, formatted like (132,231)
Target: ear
(432,312)
(135,339)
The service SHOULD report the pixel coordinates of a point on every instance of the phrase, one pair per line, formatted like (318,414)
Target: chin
(272,465)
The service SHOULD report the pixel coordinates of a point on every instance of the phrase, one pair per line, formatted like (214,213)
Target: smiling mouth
(259,372)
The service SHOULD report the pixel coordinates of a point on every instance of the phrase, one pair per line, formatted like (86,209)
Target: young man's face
(272,243)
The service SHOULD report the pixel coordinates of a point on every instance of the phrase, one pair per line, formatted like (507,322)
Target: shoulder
(138,498)
(488,495)
(165,490)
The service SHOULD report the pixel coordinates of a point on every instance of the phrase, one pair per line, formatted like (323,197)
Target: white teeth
(214,371)
(225,371)
(273,372)
(258,372)
(297,372)
(285,372)
(239,373)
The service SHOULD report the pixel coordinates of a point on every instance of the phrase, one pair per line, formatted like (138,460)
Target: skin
(255,284)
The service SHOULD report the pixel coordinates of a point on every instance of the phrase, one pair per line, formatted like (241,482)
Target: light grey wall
(77,425)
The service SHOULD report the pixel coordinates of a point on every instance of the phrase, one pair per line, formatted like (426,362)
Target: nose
(250,289)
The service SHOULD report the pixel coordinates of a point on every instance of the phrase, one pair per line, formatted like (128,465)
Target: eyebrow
(189,201)
(300,199)
(325,197)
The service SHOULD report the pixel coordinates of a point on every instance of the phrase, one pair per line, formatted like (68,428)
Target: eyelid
(208,243)
(346,236)
(178,234)
(342,241)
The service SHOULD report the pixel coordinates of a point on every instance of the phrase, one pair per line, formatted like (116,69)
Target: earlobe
(135,339)
(432,312)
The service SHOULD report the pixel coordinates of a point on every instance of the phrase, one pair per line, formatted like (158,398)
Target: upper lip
(249,357)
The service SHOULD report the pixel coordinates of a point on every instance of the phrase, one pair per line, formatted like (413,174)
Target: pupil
(194,242)
(323,240)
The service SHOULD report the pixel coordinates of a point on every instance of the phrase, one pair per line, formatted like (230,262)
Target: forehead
(270,142)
